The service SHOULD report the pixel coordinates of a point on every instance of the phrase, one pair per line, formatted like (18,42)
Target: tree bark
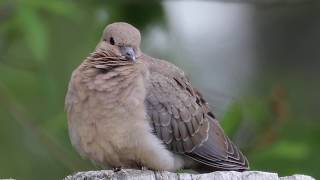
(130,174)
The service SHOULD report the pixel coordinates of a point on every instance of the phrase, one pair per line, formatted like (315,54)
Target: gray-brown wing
(181,119)
(176,116)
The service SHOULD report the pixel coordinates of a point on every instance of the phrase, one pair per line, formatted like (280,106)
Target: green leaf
(291,150)
(257,109)
(34,31)
(285,149)
(232,118)
(63,8)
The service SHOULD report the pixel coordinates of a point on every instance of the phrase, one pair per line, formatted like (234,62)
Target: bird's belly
(106,134)
(118,138)
(115,132)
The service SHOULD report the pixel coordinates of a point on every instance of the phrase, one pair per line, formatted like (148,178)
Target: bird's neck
(118,82)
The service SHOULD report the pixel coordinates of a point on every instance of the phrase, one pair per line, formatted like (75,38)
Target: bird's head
(123,39)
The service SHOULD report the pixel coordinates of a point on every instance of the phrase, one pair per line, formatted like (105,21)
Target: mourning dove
(126,109)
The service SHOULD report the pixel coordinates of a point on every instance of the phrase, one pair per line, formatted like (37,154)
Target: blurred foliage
(41,42)
(275,138)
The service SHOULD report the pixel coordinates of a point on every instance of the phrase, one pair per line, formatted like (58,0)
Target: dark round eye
(112,41)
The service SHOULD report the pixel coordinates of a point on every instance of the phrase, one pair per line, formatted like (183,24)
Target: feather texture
(181,119)
(125,113)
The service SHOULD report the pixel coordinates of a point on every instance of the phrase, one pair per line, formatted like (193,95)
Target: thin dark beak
(129,53)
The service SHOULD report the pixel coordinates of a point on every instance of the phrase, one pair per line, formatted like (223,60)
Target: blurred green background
(257,64)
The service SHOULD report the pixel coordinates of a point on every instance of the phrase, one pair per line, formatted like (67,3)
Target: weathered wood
(130,174)
(270,2)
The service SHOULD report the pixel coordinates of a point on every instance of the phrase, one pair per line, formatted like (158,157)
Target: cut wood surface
(130,174)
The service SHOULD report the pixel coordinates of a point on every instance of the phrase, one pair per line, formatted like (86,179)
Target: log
(130,174)
(271,2)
